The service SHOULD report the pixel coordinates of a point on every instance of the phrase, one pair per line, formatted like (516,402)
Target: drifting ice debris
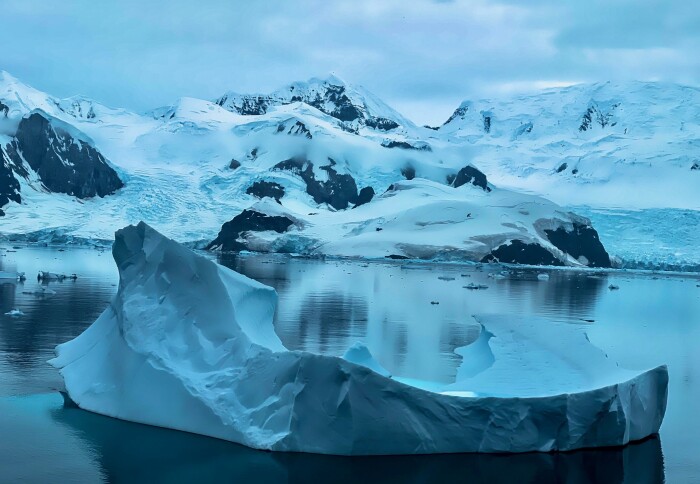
(613,287)
(445,278)
(543,277)
(190,345)
(14,313)
(53,276)
(473,286)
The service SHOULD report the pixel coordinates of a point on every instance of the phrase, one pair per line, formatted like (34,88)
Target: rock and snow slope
(190,345)
(626,145)
(318,149)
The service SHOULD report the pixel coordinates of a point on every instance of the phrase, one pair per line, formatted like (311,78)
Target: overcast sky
(423,57)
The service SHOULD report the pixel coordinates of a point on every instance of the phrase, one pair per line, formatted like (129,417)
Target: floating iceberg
(190,345)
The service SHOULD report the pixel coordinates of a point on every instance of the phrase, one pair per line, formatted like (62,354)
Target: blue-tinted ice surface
(658,239)
(190,345)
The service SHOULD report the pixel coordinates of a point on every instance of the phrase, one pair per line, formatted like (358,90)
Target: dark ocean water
(325,306)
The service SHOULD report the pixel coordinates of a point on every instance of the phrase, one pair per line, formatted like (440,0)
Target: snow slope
(190,345)
(626,145)
(190,167)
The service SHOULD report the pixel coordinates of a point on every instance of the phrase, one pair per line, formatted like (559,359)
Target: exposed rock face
(460,112)
(582,241)
(235,164)
(518,252)
(408,172)
(297,129)
(64,158)
(595,116)
(487,123)
(469,174)
(365,196)
(9,185)
(406,146)
(383,124)
(262,189)
(4,109)
(562,167)
(339,191)
(231,238)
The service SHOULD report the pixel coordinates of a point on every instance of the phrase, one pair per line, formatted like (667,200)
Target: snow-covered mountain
(323,167)
(353,106)
(632,145)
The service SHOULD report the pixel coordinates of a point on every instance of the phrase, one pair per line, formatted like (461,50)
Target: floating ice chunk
(190,345)
(473,286)
(543,277)
(53,276)
(14,313)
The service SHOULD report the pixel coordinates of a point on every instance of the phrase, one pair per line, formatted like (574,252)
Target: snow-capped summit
(18,99)
(331,95)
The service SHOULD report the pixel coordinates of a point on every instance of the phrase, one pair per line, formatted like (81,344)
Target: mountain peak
(330,95)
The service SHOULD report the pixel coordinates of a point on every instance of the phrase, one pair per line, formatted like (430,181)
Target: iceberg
(190,345)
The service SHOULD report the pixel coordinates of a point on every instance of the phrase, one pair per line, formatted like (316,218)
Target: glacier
(190,345)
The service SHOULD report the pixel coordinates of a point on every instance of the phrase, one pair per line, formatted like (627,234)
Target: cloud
(423,57)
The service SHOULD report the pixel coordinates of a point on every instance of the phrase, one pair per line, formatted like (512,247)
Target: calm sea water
(325,306)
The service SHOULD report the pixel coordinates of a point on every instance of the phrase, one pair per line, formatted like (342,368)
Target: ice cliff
(190,345)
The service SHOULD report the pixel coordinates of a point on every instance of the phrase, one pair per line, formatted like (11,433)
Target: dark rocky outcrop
(582,240)
(297,129)
(487,123)
(235,164)
(339,190)
(460,112)
(365,196)
(336,96)
(562,167)
(594,115)
(469,174)
(383,124)
(4,109)
(231,233)
(518,252)
(695,166)
(408,172)
(405,145)
(64,158)
(262,189)
(396,257)
(9,185)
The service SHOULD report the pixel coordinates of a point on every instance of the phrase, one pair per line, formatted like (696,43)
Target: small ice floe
(497,275)
(54,276)
(40,291)
(473,286)
(613,287)
(14,313)
(445,278)
(543,277)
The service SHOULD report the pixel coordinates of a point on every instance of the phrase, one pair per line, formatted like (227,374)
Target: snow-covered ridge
(190,345)
(190,167)
(349,104)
